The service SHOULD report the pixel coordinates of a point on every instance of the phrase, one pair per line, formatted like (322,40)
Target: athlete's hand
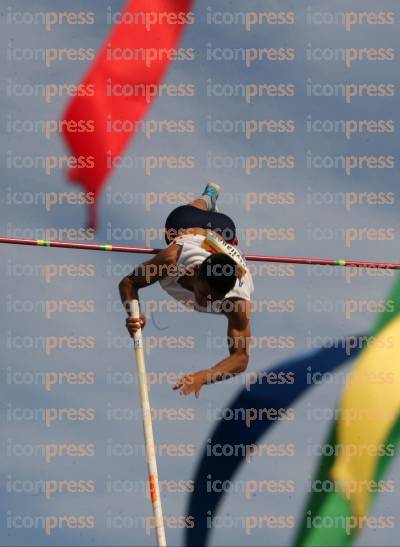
(192,383)
(134,325)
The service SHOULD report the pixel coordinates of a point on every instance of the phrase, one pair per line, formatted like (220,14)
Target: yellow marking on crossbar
(43,243)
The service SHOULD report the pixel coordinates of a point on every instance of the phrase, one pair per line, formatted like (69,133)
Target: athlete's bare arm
(144,275)
(239,346)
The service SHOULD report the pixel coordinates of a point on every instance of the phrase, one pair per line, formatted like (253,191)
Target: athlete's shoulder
(169,255)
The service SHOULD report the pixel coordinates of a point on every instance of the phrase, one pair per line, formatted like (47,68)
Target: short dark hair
(219,271)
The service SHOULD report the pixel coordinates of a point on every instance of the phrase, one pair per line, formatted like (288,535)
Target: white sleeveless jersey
(191,255)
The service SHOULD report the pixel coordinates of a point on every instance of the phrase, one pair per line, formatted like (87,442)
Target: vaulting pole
(252,258)
(148,430)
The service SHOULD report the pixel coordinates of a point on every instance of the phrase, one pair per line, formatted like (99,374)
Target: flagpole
(250,257)
(148,430)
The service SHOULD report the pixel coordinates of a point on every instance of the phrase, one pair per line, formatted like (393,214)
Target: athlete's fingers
(178,384)
(133,321)
(184,380)
(188,386)
(186,389)
(133,324)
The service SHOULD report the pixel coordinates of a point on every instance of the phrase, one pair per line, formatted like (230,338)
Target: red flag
(135,55)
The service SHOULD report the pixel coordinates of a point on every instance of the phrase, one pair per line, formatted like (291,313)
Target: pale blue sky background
(106,323)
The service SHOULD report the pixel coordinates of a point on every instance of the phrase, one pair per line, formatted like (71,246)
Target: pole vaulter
(203,269)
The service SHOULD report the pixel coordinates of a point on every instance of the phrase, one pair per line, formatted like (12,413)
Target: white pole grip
(148,430)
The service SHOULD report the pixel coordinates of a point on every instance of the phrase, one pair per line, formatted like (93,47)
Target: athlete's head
(216,276)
